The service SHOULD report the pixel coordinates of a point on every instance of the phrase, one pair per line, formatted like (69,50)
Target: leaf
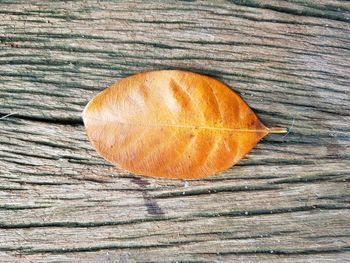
(172,124)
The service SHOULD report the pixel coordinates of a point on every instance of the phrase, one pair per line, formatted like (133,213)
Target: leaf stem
(278,130)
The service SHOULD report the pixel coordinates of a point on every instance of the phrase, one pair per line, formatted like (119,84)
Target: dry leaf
(172,124)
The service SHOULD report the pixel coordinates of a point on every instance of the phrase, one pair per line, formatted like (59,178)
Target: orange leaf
(172,124)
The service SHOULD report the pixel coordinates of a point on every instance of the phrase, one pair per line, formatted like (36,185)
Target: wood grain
(287,201)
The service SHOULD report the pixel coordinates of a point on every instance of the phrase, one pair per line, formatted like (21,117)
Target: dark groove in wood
(58,121)
(314,251)
(261,212)
(305,12)
(209,191)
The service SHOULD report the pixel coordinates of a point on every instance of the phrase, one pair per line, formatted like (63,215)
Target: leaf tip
(278,130)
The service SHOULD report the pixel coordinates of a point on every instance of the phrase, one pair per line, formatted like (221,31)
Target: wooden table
(287,201)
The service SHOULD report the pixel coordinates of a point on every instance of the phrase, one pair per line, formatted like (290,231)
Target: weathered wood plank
(287,201)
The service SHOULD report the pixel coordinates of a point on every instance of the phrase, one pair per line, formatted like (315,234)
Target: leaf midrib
(180,126)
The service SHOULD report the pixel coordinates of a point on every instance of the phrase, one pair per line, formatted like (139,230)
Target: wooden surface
(287,201)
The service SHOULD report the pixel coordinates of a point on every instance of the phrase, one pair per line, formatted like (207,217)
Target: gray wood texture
(287,201)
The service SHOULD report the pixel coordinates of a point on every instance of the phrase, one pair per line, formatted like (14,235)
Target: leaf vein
(181,126)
